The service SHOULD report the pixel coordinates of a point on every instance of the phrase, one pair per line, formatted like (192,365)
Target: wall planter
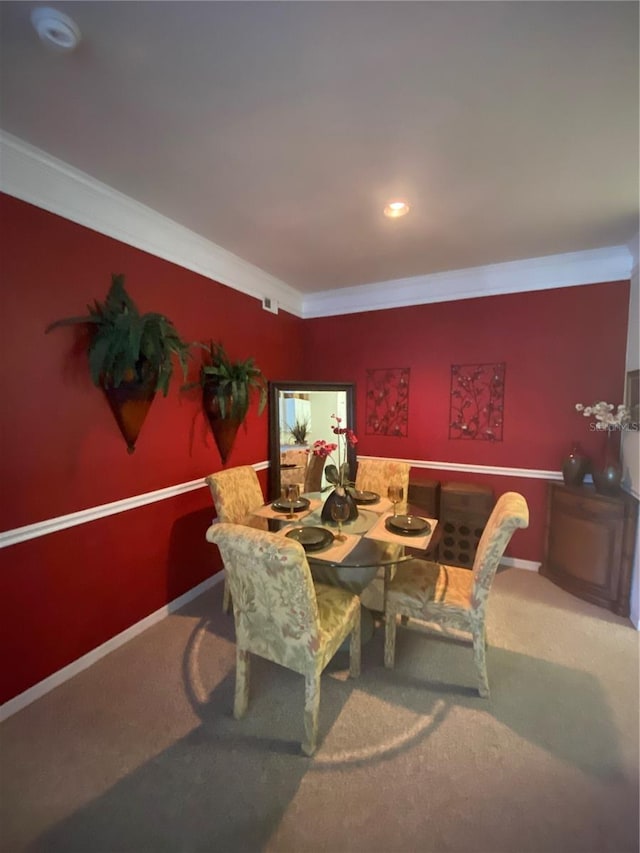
(224,429)
(227,388)
(130,404)
(130,356)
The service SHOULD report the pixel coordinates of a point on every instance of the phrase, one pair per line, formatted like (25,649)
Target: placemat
(267,511)
(336,552)
(380,532)
(383,505)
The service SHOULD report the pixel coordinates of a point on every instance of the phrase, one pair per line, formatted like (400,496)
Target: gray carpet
(141,753)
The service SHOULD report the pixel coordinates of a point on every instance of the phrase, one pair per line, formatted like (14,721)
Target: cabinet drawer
(588,506)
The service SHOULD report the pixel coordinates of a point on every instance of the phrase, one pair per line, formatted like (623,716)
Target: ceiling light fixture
(396,208)
(55,28)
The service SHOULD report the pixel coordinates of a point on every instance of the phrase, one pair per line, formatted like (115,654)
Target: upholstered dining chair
(455,598)
(296,462)
(313,473)
(376,475)
(236,493)
(281,615)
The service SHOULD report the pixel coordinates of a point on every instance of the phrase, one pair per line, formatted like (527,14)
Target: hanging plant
(227,390)
(130,355)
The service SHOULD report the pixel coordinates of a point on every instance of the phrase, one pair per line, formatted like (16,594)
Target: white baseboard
(57,678)
(516,563)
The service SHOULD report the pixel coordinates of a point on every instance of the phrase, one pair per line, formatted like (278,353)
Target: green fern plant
(299,431)
(127,346)
(231,383)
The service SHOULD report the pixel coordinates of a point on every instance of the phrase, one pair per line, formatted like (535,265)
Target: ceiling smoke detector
(56,29)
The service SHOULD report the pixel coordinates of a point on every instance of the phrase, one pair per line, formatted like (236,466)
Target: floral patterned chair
(281,615)
(376,475)
(296,462)
(455,598)
(313,473)
(236,494)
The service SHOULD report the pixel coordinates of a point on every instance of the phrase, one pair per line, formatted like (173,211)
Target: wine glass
(340,513)
(293,493)
(395,495)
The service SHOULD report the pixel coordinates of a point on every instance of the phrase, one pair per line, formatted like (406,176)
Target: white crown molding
(40,179)
(57,678)
(568,270)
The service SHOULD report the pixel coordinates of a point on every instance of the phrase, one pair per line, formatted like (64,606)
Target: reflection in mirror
(299,414)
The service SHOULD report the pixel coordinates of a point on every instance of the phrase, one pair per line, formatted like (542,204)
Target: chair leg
(389,639)
(226,597)
(242,683)
(355,646)
(480,657)
(311,710)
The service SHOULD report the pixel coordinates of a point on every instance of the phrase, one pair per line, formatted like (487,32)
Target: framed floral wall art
(477,401)
(387,411)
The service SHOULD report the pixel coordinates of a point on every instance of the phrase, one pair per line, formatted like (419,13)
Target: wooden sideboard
(589,544)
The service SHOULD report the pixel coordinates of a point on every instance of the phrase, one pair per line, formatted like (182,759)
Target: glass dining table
(355,565)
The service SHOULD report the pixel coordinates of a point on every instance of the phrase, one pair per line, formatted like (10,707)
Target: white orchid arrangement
(606,415)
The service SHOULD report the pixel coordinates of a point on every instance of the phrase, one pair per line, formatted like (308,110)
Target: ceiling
(278,130)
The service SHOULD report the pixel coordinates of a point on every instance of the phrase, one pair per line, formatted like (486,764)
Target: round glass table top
(367,553)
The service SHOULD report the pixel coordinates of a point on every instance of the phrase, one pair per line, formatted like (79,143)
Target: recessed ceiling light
(55,28)
(396,208)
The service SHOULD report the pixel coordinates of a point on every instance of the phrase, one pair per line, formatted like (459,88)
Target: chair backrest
(294,457)
(509,513)
(376,475)
(274,600)
(313,474)
(236,492)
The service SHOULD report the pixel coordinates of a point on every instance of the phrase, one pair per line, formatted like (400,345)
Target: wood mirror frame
(276,389)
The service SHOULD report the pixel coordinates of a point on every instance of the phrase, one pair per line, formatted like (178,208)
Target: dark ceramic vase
(339,496)
(608,476)
(575,466)
(607,480)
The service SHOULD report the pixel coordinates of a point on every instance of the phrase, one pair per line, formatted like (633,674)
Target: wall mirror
(299,414)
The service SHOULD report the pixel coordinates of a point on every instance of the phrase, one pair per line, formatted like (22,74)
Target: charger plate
(285,506)
(311,538)
(364,498)
(407,525)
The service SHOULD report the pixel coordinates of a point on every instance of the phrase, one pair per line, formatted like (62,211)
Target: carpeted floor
(141,753)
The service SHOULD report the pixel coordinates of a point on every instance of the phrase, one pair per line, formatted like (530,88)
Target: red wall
(66,593)
(561,347)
